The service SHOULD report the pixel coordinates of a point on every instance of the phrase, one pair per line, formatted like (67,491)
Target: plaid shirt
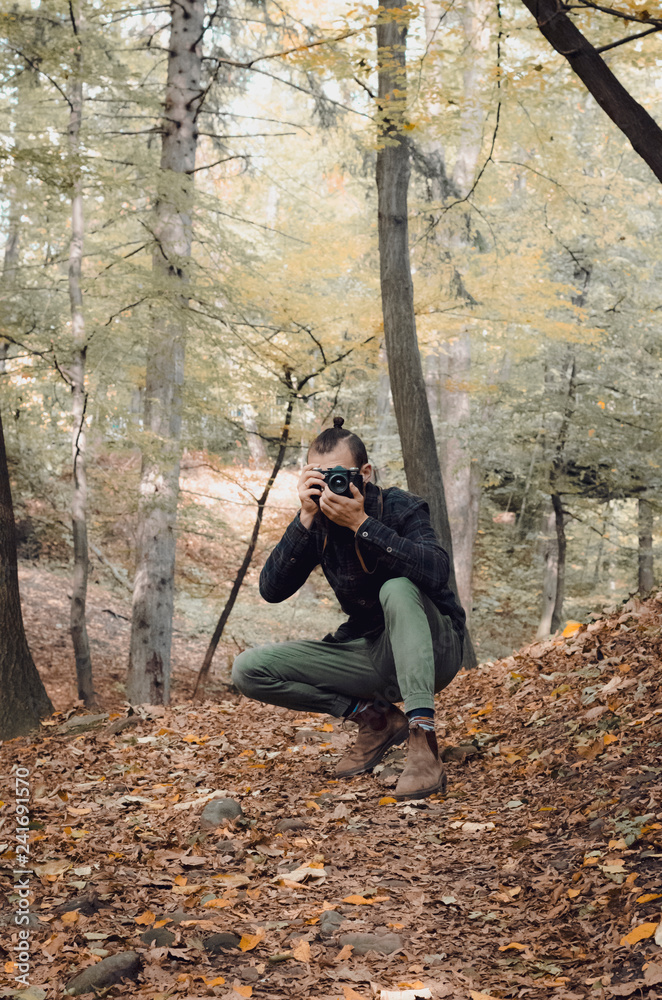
(396,541)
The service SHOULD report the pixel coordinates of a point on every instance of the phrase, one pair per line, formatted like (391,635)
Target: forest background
(533,239)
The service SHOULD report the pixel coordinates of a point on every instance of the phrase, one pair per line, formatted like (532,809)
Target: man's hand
(345,511)
(307,489)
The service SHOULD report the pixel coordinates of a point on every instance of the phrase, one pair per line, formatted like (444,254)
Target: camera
(338,480)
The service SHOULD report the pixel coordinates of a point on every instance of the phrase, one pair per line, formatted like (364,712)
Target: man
(403,639)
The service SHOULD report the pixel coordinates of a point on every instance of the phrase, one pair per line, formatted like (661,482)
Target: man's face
(341,455)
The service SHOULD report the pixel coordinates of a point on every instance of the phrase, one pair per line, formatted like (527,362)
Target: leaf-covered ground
(537,875)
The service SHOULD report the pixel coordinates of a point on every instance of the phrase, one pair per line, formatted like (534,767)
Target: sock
(356,709)
(422,717)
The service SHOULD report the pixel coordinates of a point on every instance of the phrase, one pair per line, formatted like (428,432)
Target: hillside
(537,875)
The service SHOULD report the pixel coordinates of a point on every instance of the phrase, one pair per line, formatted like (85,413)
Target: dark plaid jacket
(396,539)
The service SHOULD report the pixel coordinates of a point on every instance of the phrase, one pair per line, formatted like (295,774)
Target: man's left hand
(348,512)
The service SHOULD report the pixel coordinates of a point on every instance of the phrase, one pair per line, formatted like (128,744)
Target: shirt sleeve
(290,563)
(414,551)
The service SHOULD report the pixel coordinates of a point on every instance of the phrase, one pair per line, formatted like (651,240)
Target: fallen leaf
(147,917)
(387,800)
(480,996)
(70,917)
(351,994)
(571,629)
(218,981)
(244,990)
(344,953)
(647,896)
(573,893)
(217,904)
(302,952)
(513,946)
(250,941)
(413,994)
(639,933)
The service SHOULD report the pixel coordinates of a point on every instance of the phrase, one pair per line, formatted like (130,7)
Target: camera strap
(380,502)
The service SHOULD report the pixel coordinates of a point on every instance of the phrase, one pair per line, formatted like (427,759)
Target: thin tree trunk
(148,677)
(550,556)
(24,699)
(256,447)
(199,690)
(410,402)
(561,547)
(646,569)
(597,569)
(77,611)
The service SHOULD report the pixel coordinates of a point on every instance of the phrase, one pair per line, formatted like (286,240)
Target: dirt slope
(538,875)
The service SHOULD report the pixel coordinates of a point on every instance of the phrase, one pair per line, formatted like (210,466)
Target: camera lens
(337,483)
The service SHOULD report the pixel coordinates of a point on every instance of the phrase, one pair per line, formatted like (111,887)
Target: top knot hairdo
(333,436)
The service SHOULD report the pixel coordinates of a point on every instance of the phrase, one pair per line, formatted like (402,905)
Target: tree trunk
(24,699)
(646,572)
(199,690)
(77,611)
(550,556)
(642,131)
(256,447)
(410,403)
(148,677)
(461,476)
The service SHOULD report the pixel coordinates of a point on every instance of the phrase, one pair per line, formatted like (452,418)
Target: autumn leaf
(351,994)
(217,981)
(218,903)
(639,933)
(250,941)
(485,710)
(513,946)
(146,917)
(302,952)
(244,990)
(480,996)
(648,896)
(571,628)
(573,893)
(387,800)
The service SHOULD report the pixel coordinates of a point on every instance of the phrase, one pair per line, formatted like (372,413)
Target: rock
(459,753)
(330,921)
(219,811)
(216,943)
(386,944)
(295,823)
(107,972)
(161,937)
(87,905)
(175,916)
(248,973)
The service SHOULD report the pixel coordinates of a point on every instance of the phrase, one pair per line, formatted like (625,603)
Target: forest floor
(538,874)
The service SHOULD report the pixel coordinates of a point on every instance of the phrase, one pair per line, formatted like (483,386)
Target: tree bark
(256,447)
(550,556)
(148,677)
(642,131)
(77,611)
(24,699)
(199,690)
(646,568)
(410,402)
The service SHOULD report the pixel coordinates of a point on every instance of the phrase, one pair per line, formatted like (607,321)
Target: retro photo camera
(338,480)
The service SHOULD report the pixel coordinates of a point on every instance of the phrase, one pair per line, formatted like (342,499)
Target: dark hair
(333,436)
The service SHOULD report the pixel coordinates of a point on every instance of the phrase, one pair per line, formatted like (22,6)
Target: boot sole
(422,793)
(398,737)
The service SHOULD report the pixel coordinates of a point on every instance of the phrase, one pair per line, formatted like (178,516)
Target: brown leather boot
(378,730)
(424,773)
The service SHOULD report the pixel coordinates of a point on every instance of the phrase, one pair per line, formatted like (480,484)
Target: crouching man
(403,639)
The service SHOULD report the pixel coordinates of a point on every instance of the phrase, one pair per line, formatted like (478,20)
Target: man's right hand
(308,487)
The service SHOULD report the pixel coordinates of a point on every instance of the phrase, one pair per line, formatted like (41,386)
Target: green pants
(417,654)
